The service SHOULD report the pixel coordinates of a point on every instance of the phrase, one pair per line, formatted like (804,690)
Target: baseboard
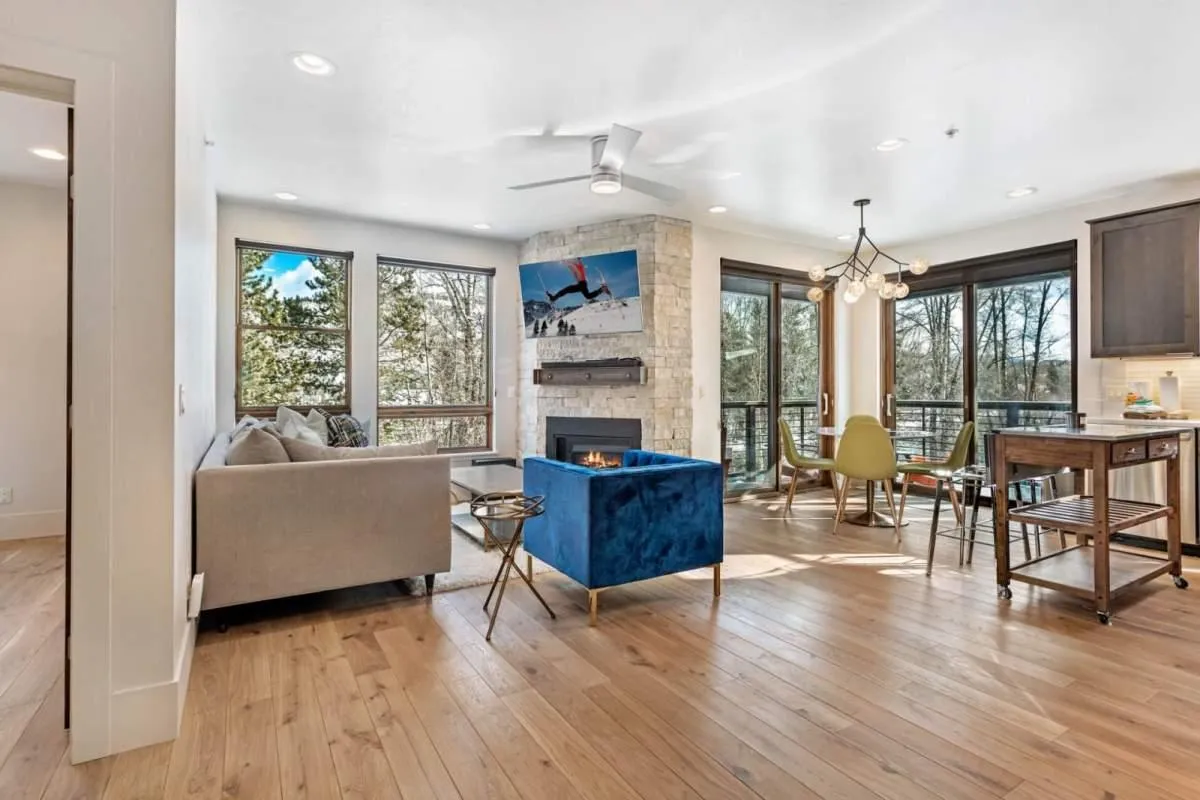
(146,715)
(32,525)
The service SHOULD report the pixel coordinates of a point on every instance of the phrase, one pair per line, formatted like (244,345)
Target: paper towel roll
(1168,392)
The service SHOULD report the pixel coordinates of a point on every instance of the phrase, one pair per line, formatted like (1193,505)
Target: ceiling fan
(610,151)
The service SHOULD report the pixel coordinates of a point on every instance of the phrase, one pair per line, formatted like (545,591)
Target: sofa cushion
(303,451)
(318,423)
(294,425)
(256,446)
(346,431)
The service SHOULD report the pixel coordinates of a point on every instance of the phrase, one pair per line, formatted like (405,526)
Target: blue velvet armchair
(655,515)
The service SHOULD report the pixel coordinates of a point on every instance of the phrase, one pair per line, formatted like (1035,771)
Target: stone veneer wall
(664,403)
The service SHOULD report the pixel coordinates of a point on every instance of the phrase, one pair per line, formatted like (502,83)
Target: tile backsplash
(1118,375)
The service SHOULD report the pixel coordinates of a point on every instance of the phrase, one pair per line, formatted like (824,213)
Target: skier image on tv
(579,271)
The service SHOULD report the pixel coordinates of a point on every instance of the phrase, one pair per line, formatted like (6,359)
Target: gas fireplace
(596,442)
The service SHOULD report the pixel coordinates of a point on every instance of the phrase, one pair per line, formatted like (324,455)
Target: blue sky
(619,269)
(288,273)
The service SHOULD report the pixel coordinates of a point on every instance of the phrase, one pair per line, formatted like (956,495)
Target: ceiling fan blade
(661,191)
(539,184)
(618,147)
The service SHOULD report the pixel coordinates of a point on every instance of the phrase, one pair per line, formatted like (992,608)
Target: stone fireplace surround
(664,403)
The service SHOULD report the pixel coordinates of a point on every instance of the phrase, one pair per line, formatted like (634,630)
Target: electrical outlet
(5,495)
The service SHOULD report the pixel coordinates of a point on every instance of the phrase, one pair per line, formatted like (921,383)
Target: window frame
(249,244)
(488,409)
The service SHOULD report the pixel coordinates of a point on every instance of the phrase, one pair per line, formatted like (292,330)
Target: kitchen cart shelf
(1076,514)
(1074,570)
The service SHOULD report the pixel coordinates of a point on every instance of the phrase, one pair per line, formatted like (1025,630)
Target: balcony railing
(748,430)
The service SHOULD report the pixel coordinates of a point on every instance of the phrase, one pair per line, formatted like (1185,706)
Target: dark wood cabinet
(1146,282)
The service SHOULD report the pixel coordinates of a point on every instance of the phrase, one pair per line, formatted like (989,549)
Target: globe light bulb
(919,266)
(857,288)
(901,291)
(849,296)
(887,291)
(815,294)
(816,273)
(875,280)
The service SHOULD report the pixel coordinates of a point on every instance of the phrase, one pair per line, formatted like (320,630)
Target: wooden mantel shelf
(604,372)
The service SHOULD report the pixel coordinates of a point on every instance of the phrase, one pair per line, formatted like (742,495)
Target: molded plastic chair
(797,461)
(865,453)
(941,471)
(858,419)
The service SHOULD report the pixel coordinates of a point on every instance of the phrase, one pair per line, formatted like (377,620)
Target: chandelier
(858,270)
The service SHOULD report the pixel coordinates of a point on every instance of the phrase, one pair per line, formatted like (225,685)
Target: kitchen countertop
(1149,423)
(1095,431)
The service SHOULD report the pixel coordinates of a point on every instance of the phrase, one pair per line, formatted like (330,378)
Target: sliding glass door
(774,363)
(989,341)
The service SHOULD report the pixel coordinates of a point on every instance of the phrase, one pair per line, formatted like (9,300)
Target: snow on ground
(606,316)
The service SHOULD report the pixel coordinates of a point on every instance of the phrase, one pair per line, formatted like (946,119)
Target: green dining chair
(791,454)
(940,471)
(858,419)
(865,453)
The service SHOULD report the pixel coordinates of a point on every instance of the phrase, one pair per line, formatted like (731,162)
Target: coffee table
(479,481)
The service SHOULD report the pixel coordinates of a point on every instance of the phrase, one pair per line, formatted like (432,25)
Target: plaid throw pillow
(346,431)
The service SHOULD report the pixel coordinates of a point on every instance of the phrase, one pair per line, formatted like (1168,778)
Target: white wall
(33,358)
(709,246)
(195,312)
(368,240)
(120,55)
(1054,226)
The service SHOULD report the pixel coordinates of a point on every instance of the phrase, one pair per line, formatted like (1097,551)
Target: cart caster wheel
(1104,617)
(1004,592)
(1180,581)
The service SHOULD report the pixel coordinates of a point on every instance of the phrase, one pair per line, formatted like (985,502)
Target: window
(435,355)
(293,332)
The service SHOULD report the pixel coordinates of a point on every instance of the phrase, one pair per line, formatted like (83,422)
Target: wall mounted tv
(582,296)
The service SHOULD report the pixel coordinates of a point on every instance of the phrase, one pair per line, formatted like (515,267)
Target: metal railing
(748,432)
(944,418)
(748,428)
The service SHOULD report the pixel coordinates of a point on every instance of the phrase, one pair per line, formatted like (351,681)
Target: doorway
(35,466)
(776,363)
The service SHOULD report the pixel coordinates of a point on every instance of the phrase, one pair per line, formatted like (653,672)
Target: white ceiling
(27,122)
(769,107)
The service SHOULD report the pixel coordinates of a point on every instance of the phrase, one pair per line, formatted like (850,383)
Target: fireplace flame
(600,460)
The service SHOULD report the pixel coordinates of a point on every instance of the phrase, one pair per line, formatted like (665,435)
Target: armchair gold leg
(593,605)
(903,495)
(717,579)
(529,566)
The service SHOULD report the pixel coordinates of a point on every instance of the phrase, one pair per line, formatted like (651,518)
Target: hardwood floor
(830,668)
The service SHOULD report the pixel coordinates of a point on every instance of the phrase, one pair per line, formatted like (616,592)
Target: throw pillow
(346,431)
(294,425)
(247,424)
(318,422)
(256,446)
(299,450)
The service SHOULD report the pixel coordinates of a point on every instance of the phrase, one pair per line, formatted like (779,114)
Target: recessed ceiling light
(888,145)
(313,64)
(845,237)
(288,196)
(482,226)
(717,209)
(48,153)
(1022,191)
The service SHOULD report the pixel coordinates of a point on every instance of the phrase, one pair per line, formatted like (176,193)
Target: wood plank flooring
(831,667)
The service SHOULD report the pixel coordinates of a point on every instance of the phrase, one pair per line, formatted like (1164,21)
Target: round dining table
(871,518)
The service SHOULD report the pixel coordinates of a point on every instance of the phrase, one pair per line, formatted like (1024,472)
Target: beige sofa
(279,530)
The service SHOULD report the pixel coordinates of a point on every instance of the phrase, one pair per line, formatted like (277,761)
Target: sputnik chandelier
(857,270)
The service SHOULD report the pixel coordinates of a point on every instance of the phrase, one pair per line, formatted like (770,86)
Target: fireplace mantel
(607,372)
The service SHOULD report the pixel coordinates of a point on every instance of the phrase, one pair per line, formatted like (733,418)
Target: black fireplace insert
(591,441)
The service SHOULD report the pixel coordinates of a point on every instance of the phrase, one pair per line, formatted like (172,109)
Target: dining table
(869,517)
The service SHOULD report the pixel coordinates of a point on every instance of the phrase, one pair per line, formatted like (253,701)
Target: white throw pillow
(318,424)
(293,425)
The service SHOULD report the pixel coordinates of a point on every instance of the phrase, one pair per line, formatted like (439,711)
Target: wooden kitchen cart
(1091,568)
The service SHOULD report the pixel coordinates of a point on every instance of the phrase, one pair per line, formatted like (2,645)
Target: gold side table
(512,509)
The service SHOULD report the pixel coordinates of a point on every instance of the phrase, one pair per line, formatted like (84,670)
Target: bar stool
(510,508)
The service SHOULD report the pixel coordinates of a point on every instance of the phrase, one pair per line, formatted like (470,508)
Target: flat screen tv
(582,296)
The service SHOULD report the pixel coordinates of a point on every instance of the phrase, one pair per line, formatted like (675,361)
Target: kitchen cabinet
(1146,282)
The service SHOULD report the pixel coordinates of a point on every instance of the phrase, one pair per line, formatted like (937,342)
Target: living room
(435,313)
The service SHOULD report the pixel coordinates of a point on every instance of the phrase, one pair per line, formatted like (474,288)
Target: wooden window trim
(263,411)
(486,410)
